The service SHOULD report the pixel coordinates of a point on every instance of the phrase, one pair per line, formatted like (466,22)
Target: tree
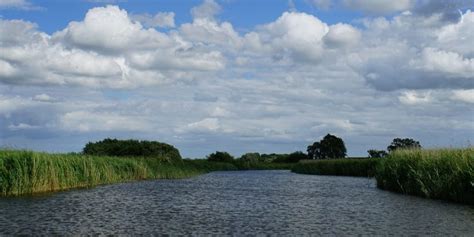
(296,156)
(115,147)
(220,156)
(377,153)
(405,143)
(251,157)
(330,147)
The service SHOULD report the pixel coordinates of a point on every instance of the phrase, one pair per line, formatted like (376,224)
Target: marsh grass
(26,172)
(446,174)
(364,167)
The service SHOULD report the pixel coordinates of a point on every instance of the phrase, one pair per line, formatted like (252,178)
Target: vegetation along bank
(406,168)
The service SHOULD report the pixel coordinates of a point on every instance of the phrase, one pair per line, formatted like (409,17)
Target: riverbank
(26,172)
(446,174)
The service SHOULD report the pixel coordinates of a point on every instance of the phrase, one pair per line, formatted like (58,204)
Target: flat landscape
(236,118)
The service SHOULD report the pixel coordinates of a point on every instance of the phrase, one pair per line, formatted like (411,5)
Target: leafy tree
(330,147)
(377,153)
(251,157)
(403,143)
(114,147)
(296,156)
(220,156)
(274,158)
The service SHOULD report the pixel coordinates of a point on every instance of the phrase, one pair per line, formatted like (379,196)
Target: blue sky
(54,15)
(240,76)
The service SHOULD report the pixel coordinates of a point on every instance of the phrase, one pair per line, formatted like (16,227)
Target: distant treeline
(132,148)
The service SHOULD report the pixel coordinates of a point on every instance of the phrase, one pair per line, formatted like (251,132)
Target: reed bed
(26,172)
(364,167)
(446,174)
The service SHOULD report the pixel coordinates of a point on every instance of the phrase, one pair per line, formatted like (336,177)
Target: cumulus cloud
(341,35)
(277,87)
(160,19)
(395,55)
(106,49)
(207,10)
(297,34)
(110,28)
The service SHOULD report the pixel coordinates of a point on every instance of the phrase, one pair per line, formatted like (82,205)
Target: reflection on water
(238,203)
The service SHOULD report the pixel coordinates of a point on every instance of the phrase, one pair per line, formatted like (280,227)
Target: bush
(364,167)
(220,156)
(377,153)
(131,148)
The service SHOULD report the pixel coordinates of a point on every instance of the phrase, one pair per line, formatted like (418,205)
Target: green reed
(446,174)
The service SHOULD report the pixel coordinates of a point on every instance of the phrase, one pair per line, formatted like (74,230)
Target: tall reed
(26,172)
(437,173)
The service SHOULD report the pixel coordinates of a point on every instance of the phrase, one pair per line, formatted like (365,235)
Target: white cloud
(160,19)
(380,6)
(298,34)
(208,9)
(464,95)
(86,121)
(20,4)
(109,28)
(43,98)
(450,63)
(22,126)
(205,125)
(341,35)
(415,98)
(204,84)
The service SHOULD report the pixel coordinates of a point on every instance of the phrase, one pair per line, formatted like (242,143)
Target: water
(237,203)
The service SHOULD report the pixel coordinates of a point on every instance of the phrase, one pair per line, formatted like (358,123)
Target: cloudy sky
(239,76)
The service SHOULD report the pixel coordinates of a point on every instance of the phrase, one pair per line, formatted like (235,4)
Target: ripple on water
(238,203)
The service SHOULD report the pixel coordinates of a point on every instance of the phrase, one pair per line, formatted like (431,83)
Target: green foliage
(26,172)
(403,143)
(131,148)
(330,147)
(245,165)
(377,153)
(252,157)
(345,167)
(297,156)
(220,156)
(439,173)
(275,158)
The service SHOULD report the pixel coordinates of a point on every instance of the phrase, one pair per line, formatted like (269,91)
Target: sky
(238,76)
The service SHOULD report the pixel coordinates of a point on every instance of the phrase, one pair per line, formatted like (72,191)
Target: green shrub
(345,167)
(132,148)
(220,156)
(439,173)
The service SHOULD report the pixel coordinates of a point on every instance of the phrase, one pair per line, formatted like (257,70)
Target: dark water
(236,203)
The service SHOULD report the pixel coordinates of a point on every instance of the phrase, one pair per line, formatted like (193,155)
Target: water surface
(237,203)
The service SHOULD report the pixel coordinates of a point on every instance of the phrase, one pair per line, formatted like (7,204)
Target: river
(235,203)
